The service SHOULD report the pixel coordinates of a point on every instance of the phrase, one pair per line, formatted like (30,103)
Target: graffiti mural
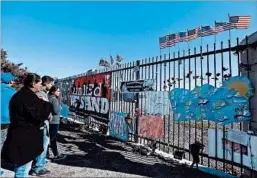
(151,126)
(118,126)
(225,105)
(92,94)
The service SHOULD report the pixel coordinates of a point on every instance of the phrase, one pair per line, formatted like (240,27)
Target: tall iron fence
(183,69)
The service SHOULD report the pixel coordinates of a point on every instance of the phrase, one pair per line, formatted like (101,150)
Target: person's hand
(42,98)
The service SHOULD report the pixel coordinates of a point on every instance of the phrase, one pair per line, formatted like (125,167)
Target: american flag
(163,42)
(240,22)
(206,31)
(119,58)
(104,63)
(171,40)
(192,34)
(222,26)
(182,36)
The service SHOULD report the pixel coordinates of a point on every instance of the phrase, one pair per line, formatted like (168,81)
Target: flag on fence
(222,26)
(192,34)
(240,22)
(163,42)
(104,63)
(119,58)
(111,59)
(182,36)
(172,40)
(206,31)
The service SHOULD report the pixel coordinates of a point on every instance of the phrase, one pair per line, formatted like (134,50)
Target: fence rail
(186,69)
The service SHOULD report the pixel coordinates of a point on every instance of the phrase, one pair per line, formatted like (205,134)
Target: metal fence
(183,69)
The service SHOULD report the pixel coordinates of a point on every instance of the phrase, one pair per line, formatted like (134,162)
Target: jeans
(40,161)
(3,138)
(23,171)
(54,128)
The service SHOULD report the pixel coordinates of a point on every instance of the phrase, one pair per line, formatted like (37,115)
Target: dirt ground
(92,155)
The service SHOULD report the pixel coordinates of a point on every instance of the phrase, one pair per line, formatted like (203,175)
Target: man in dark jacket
(40,161)
(25,135)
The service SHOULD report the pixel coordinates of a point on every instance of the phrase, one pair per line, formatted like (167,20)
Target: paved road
(92,155)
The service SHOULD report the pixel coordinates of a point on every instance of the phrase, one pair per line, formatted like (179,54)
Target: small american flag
(192,34)
(206,31)
(172,39)
(240,22)
(104,63)
(222,26)
(119,58)
(163,42)
(182,36)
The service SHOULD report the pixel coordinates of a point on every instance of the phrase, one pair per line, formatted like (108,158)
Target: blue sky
(66,38)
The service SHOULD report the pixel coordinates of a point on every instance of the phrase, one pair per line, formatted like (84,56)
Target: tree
(15,69)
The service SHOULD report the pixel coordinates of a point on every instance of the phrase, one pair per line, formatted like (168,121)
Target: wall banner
(91,96)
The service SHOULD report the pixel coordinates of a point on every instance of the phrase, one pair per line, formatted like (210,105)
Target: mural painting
(151,126)
(120,125)
(92,94)
(225,105)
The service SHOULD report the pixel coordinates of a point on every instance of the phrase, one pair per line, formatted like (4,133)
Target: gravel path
(93,155)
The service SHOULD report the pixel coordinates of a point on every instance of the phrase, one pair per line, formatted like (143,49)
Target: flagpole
(229,29)
(169,45)
(215,32)
(178,43)
(201,36)
(187,40)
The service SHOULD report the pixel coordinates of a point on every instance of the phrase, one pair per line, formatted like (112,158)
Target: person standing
(24,140)
(54,95)
(38,168)
(7,81)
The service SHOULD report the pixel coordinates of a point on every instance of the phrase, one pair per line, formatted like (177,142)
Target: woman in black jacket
(25,136)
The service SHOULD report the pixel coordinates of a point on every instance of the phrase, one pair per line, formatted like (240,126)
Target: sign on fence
(234,142)
(151,126)
(138,86)
(92,94)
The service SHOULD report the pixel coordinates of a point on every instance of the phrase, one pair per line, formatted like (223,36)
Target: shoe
(1,173)
(42,172)
(59,157)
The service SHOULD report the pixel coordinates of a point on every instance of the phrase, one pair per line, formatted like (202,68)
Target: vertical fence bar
(164,117)
(156,75)
(201,65)
(195,86)
(230,71)
(174,86)
(222,79)
(179,60)
(216,125)
(208,81)
(169,83)
(184,86)
(137,102)
(189,86)
(145,77)
(140,94)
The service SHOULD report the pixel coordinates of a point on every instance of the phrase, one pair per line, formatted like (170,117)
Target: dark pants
(54,128)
